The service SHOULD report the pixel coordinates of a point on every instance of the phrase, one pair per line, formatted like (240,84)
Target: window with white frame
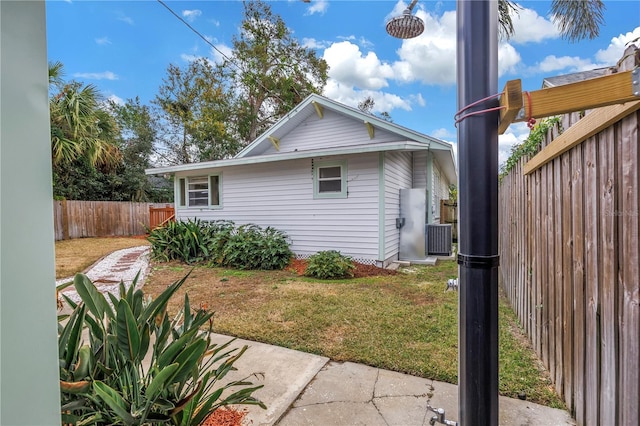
(330,180)
(199,191)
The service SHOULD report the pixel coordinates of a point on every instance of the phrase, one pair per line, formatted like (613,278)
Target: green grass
(405,322)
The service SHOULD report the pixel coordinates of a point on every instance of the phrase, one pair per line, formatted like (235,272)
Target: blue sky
(124,48)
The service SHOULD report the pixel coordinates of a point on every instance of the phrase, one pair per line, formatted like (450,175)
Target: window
(330,180)
(199,191)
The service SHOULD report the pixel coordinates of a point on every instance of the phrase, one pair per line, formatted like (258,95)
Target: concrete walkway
(306,389)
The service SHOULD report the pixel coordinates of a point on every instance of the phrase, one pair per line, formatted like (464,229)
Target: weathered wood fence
(158,216)
(79,219)
(569,255)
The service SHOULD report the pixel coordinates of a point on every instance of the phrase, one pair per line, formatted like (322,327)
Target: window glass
(214,184)
(330,179)
(198,191)
(329,172)
(330,186)
(182,200)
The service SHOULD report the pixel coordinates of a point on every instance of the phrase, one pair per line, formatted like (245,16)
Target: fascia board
(392,146)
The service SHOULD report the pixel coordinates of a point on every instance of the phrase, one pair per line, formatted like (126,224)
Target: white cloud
(554,63)
(125,19)
(105,75)
(116,99)
(429,58)
(529,27)
(515,134)
(191,15)
(312,43)
(508,59)
(347,95)
(444,134)
(222,49)
(103,41)
(348,65)
(614,51)
(317,6)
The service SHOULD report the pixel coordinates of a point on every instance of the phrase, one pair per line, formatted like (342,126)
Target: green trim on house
(269,158)
(429,187)
(381,208)
(181,188)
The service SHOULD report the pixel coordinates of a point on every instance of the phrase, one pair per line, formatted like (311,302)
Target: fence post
(65,221)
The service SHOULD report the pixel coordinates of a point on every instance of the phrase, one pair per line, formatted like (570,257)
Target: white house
(326,174)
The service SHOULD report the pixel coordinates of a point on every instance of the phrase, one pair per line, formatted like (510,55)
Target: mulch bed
(361,270)
(226,416)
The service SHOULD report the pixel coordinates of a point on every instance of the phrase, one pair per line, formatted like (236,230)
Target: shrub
(252,247)
(330,264)
(189,241)
(104,382)
(221,243)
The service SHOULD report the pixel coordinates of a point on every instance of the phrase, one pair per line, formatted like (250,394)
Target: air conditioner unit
(438,239)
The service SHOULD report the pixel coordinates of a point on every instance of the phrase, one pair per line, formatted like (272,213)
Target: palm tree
(576,19)
(80,127)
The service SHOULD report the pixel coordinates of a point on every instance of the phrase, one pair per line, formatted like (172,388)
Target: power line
(198,33)
(229,60)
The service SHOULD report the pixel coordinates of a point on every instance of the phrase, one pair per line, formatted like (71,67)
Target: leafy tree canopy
(194,114)
(269,72)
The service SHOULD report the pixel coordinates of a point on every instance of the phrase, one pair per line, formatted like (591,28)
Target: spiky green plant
(140,367)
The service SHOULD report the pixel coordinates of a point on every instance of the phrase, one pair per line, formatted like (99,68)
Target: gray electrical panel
(413,223)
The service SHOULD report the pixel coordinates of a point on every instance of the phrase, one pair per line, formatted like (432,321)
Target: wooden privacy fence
(158,216)
(569,255)
(79,219)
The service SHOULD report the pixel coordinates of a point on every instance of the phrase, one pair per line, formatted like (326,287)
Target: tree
(577,19)
(366,106)
(138,133)
(269,72)
(195,114)
(80,127)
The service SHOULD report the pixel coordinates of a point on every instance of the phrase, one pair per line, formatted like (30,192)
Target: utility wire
(197,32)
(230,60)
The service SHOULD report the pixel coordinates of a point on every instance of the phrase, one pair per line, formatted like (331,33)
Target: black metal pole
(477,74)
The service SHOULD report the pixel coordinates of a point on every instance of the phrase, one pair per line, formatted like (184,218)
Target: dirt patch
(361,270)
(77,255)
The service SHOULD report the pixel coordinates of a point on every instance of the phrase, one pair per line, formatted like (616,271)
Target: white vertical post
(29,389)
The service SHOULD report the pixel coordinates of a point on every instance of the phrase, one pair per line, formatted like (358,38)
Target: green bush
(221,243)
(189,241)
(329,264)
(252,247)
(104,382)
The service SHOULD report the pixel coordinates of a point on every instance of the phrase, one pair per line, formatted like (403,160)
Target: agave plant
(139,366)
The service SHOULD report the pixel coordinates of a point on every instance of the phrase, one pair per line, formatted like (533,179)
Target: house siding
(440,191)
(332,130)
(397,175)
(420,169)
(280,195)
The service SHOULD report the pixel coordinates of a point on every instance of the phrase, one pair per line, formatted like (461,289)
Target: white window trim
(343,179)
(182,199)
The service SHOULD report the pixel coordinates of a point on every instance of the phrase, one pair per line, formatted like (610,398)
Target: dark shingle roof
(575,77)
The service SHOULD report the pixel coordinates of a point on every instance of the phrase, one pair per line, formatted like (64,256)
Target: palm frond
(505,10)
(578,19)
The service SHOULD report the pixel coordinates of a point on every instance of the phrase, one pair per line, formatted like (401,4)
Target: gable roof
(315,104)
(260,150)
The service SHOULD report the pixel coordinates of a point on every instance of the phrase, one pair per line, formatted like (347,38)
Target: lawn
(73,256)
(405,322)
